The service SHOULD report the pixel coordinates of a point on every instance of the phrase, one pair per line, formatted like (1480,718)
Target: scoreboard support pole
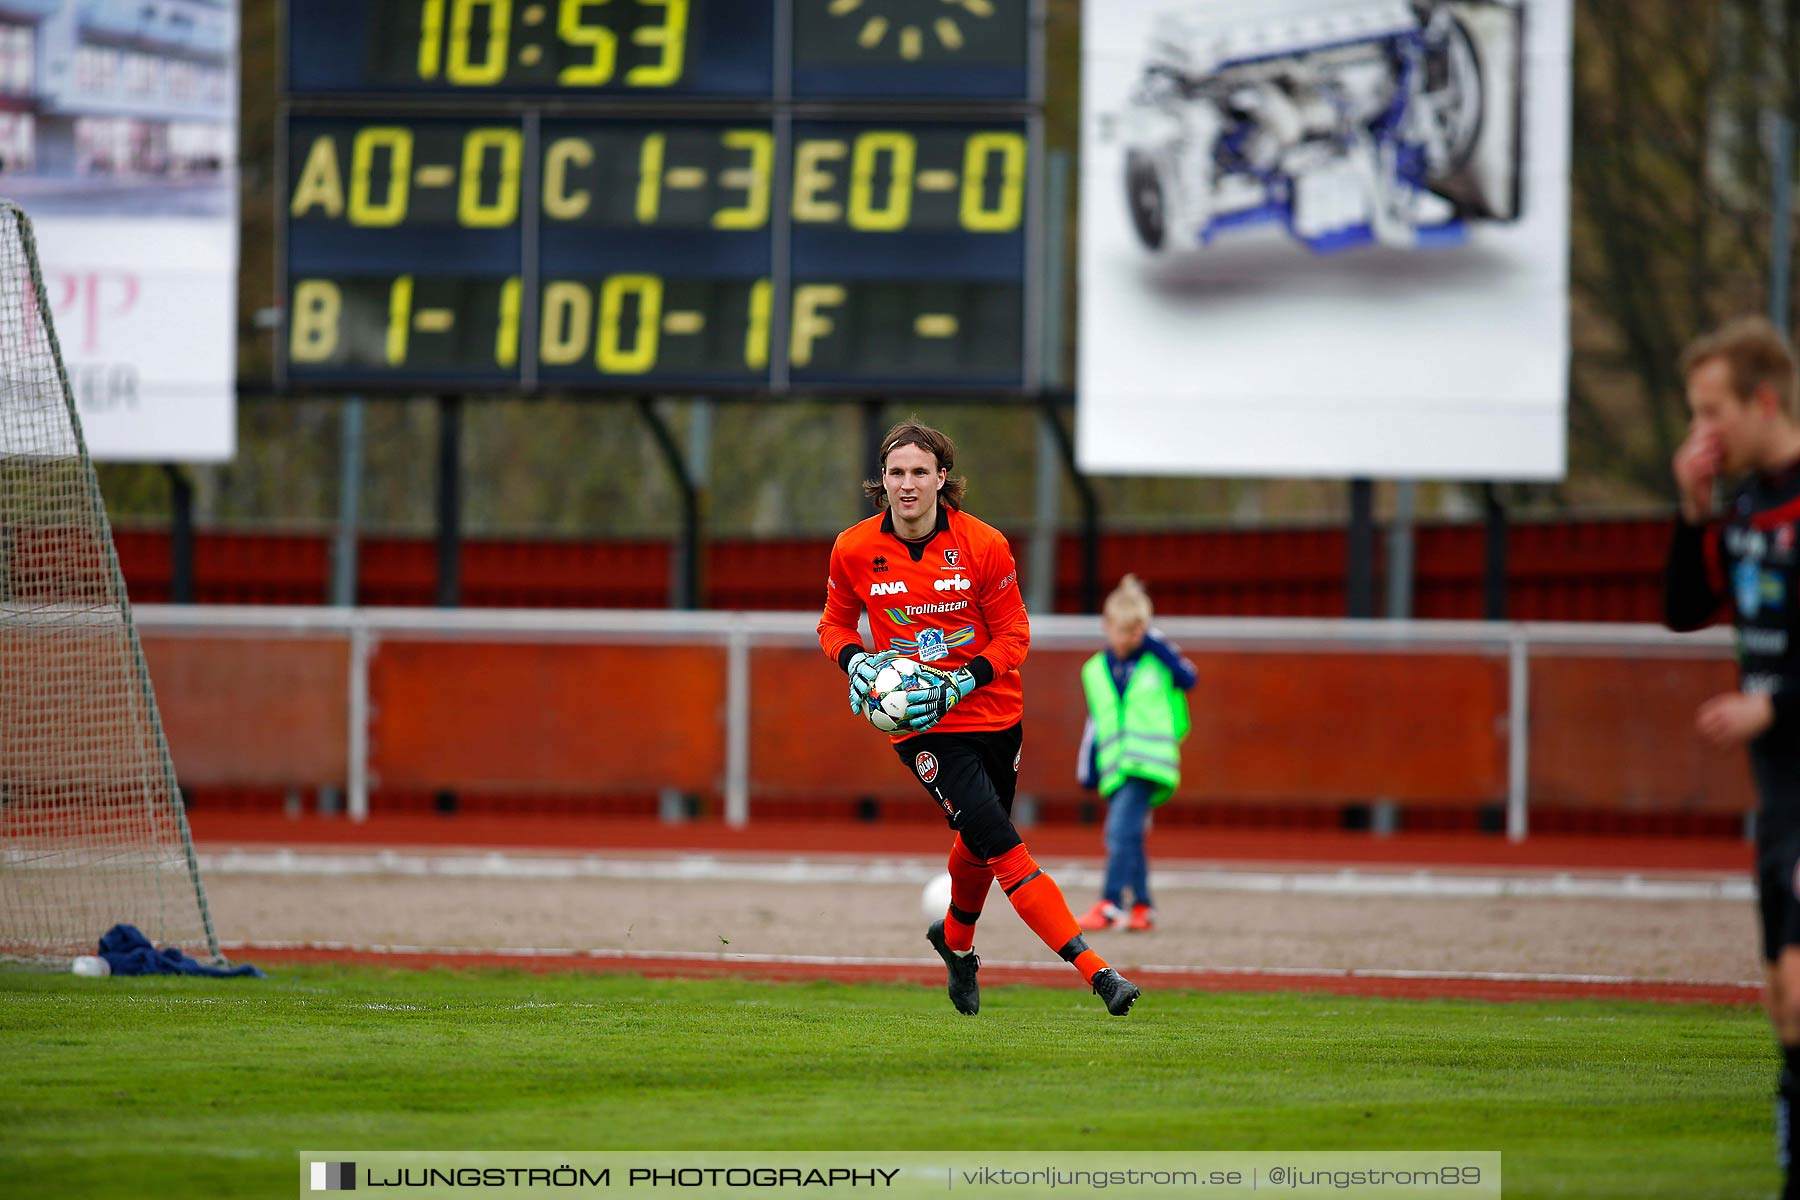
(347,532)
(1360,589)
(181,535)
(684,589)
(449,502)
(449,540)
(1090,505)
(1041,564)
(1400,537)
(874,424)
(1493,589)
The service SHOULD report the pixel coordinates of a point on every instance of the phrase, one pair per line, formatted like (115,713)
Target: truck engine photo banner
(1325,238)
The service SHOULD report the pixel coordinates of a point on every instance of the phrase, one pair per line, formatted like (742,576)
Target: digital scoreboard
(605,195)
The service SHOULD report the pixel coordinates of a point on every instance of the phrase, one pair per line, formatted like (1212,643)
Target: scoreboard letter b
(313,322)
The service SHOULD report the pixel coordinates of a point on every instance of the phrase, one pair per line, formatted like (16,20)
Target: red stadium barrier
(1592,570)
(1610,740)
(549,718)
(515,716)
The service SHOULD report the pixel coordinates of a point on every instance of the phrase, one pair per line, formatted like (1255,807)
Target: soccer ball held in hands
(886,709)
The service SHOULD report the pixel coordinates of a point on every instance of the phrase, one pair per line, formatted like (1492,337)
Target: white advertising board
(1325,238)
(118,134)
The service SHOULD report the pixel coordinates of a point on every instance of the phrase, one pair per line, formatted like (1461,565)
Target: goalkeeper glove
(863,669)
(927,706)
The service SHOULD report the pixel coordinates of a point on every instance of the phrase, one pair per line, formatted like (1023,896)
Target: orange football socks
(1040,904)
(970,879)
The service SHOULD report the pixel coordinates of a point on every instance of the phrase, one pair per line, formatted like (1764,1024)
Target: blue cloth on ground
(128,952)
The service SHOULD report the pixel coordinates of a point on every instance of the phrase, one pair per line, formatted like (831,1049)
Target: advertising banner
(118,138)
(1325,238)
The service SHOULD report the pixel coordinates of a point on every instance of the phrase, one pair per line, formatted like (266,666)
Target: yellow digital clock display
(828,49)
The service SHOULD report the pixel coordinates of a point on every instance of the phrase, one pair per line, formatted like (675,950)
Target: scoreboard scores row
(602,253)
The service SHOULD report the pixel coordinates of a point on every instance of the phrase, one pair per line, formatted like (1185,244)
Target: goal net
(92,829)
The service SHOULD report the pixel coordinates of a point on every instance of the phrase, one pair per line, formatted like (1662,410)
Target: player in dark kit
(1741,391)
(940,588)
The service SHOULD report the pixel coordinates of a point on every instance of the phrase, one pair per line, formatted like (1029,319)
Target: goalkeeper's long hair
(934,442)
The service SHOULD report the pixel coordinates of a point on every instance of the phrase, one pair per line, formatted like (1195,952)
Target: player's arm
(1732,718)
(1181,672)
(1003,608)
(838,635)
(1009,637)
(1087,759)
(1693,577)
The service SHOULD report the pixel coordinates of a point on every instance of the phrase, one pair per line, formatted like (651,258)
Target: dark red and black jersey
(1747,562)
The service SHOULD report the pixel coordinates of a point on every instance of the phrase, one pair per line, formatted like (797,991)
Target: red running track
(637,836)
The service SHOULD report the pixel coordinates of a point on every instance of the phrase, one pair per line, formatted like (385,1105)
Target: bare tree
(1671,209)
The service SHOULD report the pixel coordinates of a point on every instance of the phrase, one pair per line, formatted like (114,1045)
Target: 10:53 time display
(478,50)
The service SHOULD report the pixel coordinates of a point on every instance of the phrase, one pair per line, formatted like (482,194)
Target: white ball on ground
(936,897)
(92,966)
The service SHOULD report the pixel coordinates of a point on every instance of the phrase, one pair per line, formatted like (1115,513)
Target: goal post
(93,831)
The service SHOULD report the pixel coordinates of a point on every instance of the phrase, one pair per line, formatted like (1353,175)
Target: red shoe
(1143,919)
(1104,915)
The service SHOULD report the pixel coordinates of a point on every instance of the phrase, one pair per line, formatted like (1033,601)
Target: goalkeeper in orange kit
(940,587)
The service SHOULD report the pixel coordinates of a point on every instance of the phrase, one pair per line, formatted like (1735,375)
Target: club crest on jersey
(953,558)
(1745,578)
(926,765)
(896,588)
(1756,589)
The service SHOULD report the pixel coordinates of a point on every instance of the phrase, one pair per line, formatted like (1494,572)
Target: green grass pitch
(134,1087)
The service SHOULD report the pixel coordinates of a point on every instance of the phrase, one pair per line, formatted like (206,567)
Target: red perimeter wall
(1565,571)
(521,728)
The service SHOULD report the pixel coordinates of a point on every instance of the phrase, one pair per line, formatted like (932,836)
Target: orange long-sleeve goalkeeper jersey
(949,600)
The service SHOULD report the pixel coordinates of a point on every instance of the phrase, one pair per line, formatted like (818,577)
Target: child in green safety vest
(1131,749)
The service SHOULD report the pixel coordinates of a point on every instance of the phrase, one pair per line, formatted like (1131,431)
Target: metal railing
(738,632)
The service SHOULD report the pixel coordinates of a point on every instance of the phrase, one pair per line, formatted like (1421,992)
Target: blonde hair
(1755,352)
(1129,602)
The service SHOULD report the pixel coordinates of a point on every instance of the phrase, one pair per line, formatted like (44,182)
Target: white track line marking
(831,960)
(708,868)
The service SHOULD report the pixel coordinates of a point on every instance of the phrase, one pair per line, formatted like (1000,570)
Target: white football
(937,897)
(881,720)
(887,697)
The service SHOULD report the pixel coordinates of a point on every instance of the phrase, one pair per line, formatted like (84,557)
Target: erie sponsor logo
(1767,642)
(1747,543)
